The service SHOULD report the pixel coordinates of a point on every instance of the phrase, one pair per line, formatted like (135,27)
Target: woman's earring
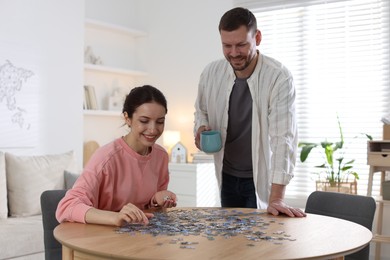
(127,119)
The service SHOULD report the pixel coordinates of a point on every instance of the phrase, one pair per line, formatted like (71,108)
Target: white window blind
(338,53)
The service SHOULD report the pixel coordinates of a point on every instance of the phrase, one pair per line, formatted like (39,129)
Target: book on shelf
(90,101)
(86,104)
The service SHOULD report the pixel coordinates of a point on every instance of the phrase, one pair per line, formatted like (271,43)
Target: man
(250,98)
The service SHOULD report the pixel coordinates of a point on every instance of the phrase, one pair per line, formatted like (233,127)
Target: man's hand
(197,136)
(278,206)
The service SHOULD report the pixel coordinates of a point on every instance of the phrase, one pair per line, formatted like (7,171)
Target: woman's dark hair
(141,95)
(235,18)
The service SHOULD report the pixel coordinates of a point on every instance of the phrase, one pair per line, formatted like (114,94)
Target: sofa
(22,181)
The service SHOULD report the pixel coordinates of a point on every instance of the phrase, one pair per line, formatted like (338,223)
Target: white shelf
(91,23)
(381,200)
(108,69)
(89,112)
(118,47)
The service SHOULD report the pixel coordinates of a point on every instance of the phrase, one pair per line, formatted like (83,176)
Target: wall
(183,38)
(121,12)
(46,38)
(178,46)
(43,40)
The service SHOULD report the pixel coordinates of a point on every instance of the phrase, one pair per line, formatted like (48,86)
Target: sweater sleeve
(77,201)
(164,179)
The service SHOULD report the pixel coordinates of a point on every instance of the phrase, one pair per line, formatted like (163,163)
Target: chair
(89,148)
(49,202)
(355,208)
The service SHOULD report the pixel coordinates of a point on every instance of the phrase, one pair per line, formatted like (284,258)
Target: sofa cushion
(29,176)
(70,179)
(21,236)
(3,188)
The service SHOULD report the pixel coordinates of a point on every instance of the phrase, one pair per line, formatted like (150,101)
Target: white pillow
(3,188)
(29,176)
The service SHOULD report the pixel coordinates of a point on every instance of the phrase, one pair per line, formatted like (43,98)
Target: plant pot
(349,187)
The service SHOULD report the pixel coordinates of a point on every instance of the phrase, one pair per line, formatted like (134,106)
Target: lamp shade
(170,138)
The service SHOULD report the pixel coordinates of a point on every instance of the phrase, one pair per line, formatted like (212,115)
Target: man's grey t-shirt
(237,160)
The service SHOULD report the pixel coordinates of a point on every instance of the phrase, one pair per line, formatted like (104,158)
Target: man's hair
(235,18)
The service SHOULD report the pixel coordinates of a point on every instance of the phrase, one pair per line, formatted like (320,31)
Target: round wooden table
(312,237)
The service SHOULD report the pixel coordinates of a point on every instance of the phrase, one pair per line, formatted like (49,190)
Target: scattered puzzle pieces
(209,223)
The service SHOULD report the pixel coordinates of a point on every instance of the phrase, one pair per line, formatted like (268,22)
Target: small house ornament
(178,153)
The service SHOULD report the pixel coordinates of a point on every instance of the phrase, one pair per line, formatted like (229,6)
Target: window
(338,53)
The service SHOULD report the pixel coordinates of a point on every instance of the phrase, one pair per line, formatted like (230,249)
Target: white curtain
(338,52)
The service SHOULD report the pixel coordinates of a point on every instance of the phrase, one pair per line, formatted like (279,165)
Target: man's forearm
(277,192)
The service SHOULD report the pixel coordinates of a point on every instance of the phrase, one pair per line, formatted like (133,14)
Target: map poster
(18,105)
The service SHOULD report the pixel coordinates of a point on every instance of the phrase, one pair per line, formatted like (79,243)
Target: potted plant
(335,172)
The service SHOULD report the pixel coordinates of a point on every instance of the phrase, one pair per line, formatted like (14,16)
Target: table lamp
(170,138)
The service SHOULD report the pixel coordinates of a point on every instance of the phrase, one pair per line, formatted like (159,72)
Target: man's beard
(239,67)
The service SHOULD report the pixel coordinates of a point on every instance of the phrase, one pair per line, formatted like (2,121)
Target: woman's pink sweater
(114,176)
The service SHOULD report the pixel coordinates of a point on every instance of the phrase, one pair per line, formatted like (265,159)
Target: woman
(128,175)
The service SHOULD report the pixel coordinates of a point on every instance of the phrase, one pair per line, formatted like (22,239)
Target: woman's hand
(165,199)
(128,214)
(132,214)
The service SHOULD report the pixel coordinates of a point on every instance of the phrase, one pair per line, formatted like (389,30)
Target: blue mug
(210,141)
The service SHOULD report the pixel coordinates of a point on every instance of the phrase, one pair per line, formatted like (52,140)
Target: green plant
(335,169)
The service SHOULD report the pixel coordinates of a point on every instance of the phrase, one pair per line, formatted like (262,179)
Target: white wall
(182,38)
(46,38)
(121,12)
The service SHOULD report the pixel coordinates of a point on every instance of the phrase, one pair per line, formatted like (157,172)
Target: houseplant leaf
(335,168)
(306,149)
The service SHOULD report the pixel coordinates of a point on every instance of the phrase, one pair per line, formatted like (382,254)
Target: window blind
(338,53)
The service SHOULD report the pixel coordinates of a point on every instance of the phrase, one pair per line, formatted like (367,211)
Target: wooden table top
(312,237)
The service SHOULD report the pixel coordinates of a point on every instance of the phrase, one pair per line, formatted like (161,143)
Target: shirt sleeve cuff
(79,212)
(283,179)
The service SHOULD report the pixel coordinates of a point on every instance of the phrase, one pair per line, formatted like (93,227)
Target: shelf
(118,47)
(91,23)
(378,158)
(102,113)
(107,69)
(381,239)
(381,200)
